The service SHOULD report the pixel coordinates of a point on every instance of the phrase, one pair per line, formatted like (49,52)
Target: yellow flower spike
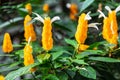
(82,28)
(2,77)
(73,10)
(7,44)
(29,29)
(46,8)
(28,7)
(47,41)
(113,24)
(28,57)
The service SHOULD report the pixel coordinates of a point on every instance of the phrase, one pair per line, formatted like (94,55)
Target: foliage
(64,61)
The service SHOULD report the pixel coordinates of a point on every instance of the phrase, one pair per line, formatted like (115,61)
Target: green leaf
(20,53)
(89,52)
(79,61)
(55,55)
(43,57)
(24,70)
(71,42)
(88,72)
(86,4)
(104,59)
(11,66)
(50,77)
(36,47)
(62,76)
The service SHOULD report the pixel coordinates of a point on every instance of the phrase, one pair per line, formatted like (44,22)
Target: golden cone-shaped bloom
(29,29)
(47,40)
(29,8)
(82,28)
(46,7)
(2,77)
(114,27)
(83,47)
(28,58)
(110,28)
(106,29)
(73,11)
(7,44)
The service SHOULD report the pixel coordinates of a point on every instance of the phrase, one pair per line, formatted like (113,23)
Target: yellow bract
(110,28)
(29,29)
(82,28)
(47,40)
(7,44)
(28,58)
(114,27)
(73,11)
(29,8)
(2,77)
(46,7)
(81,33)
(83,47)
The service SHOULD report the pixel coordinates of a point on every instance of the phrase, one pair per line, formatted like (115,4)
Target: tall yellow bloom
(82,29)
(2,77)
(111,26)
(7,44)
(73,10)
(114,27)
(47,41)
(28,7)
(29,29)
(46,7)
(28,57)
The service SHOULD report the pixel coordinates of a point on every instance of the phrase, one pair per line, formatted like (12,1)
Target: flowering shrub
(61,47)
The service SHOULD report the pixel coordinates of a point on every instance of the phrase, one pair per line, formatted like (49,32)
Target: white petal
(101,14)
(117,9)
(108,8)
(29,40)
(87,17)
(68,5)
(94,25)
(111,27)
(55,18)
(38,16)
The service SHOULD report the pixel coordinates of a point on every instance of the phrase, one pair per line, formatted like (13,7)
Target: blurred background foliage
(64,65)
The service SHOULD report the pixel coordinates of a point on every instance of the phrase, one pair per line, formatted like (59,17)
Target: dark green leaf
(104,59)
(71,42)
(79,61)
(24,70)
(50,77)
(62,76)
(86,4)
(89,52)
(88,72)
(55,55)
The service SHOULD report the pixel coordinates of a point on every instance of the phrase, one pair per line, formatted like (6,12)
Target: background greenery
(62,62)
